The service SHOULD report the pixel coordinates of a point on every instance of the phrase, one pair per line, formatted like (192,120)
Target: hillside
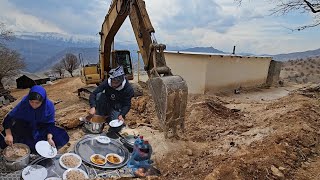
(274,137)
(203,49)
(297,55)
(90,55)
(302,70)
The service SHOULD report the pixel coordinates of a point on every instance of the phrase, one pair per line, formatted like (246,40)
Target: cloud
(17,20)
(216,23)
(179,14)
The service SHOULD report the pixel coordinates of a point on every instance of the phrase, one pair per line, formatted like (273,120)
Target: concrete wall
(192,70)
(213,73)
(274,73)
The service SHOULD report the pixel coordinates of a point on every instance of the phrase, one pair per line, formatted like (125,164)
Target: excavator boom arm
(169,92)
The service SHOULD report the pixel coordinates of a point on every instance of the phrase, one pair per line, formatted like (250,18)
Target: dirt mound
(142,113)
(208,118)
(292,140)
(269,139)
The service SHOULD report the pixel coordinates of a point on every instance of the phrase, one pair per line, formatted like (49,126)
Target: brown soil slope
(255,139)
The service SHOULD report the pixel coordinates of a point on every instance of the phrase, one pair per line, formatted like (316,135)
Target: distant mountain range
(204,50)
(297,55)
(42,50)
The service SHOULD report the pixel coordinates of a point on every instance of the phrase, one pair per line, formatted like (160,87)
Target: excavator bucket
(170,95)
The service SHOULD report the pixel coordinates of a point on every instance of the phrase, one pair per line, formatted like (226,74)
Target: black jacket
(115,98)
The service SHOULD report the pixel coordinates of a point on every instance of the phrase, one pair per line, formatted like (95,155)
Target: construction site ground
(258,134)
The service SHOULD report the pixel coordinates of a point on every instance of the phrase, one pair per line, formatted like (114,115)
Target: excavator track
(85,92)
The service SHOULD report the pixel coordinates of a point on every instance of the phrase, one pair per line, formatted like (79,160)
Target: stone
(275,171)
(189,152)
(186,165)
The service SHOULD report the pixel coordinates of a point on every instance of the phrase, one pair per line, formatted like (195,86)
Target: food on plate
(98,159)
(113,159)
(75,175)
(16,152)
(70,161)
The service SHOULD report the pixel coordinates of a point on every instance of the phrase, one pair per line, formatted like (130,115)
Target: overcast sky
(187,23)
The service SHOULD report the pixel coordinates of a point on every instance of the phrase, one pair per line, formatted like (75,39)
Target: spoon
(14,150)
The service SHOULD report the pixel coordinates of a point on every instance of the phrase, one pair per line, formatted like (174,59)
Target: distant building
(27,80)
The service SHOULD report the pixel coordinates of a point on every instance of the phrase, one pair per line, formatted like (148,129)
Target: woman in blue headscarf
(32,120)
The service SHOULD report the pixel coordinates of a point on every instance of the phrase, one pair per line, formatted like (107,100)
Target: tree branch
(311,7)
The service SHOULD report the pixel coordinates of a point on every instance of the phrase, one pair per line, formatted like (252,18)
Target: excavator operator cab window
(123,59)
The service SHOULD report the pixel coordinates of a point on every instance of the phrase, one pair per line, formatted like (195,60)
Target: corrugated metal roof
(212,54)
(35,76)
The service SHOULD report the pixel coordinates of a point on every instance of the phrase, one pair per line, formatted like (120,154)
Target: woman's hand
(9,139)
(120,118)
(50,140)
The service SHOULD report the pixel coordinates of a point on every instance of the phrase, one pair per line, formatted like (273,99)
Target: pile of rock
(5,97)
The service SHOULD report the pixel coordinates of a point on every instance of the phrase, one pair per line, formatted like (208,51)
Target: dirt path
(261,134)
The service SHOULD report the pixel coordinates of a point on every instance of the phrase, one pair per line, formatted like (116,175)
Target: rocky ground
(260,134)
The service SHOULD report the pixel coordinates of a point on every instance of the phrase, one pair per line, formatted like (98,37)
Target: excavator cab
(123,58)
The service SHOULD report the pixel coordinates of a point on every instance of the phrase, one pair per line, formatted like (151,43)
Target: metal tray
(89,146)
(53,167)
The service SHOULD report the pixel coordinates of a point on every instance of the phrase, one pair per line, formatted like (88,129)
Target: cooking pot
(94,124)
(16,163)
(115,126)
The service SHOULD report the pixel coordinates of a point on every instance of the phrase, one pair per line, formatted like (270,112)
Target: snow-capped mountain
(52,37)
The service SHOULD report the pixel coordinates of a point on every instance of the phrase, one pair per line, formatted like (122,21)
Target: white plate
(37,172)
(64,176)
(45,149)
(100,157)
(70,154)
(115,123)
(103,139)
(53,178)
(121,159)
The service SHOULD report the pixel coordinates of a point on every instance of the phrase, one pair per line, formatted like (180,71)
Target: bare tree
(70,63)
(5,34)
(10,63)
(58,68)
(303,6)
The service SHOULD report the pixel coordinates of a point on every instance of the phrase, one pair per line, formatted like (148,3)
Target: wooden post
(138,66)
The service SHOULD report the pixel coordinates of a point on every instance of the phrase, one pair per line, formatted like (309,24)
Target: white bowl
(45,149)
(70,154)
(102,157)
(64,176)
(53,178)
(103,139)
(116,155)
(115,123)
(35,172)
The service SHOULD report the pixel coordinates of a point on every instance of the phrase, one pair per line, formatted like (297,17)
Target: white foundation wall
(190,70)
(209,73)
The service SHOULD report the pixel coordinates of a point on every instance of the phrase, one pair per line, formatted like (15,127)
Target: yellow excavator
(168,91)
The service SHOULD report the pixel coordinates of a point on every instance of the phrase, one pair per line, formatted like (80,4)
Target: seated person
(32,120)
(112,97)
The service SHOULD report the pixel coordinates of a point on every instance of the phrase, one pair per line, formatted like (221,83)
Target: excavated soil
(226,137)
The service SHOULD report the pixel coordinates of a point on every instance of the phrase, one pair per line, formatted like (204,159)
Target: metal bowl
(95,124)
(92,127)
(17,163)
